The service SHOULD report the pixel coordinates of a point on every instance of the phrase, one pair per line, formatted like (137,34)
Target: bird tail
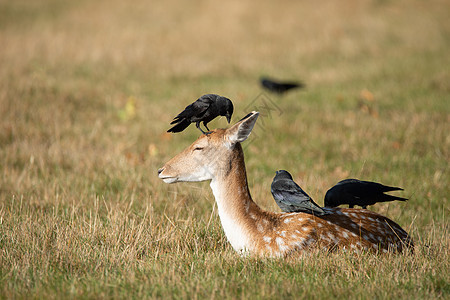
(180,126)
(176,120)
(316,209)
(388,198)
(387,188)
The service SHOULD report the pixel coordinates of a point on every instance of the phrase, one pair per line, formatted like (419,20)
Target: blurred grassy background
(87,91)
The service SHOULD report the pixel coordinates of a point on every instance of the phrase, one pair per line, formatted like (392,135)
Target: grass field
(87,91)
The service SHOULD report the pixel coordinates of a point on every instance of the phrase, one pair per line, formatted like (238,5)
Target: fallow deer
(218,156)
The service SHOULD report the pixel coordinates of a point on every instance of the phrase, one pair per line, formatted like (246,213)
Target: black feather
(358,192)
(290,197)
(279,87)
(204,109)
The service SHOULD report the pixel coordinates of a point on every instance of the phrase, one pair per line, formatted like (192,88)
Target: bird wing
(279,87)
(288,189)
(358,192)
(180,126)
(289,195)
(380,188)
(347,191)
(196,109)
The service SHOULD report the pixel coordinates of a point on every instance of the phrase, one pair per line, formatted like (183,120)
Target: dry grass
(82,211)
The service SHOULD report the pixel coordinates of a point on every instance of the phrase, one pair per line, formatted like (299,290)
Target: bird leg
(204,124)
(198,126)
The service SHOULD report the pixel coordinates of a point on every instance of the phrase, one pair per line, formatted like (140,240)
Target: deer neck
(237,211)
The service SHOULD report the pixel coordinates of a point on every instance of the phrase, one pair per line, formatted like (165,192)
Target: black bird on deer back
(357,192)
(204,109)
(290,197)
(279,87)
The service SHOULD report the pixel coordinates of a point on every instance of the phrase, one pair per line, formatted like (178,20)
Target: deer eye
(198,148)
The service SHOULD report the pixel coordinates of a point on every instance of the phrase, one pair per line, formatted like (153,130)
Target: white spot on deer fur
(294,236)
(297,244)
(309,241)
(279,241)
(353,246)
(319,225)
(253,216)
(330,235)
(371,219)
(300,219)
(297,231)
(354,215)
(375,246)
(339,212)
(283,233)
(329,223)
(281,244)
(260,227)
(345,213)
(353,234)
(365,237)
(371,236)
(345,234)
(353,225)
(362,217)
(267,239)
(265,221)
(287,220)
(305,228)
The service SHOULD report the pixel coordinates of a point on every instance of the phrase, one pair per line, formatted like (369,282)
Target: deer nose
(160,170)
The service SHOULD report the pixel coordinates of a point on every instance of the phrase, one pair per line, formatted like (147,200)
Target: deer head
(209,156)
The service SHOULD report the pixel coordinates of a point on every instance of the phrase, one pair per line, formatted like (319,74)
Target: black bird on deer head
(204,109)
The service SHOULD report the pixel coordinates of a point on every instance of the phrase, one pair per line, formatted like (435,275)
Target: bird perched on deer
(204,109)
(279,87)
(290,197)
(358,192)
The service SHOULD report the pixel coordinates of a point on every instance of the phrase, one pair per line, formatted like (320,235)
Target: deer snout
(167,178)
(160,170)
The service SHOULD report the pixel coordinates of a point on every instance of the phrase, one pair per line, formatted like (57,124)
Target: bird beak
(228,119)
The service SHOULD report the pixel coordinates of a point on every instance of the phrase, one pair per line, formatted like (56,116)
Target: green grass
(82,211)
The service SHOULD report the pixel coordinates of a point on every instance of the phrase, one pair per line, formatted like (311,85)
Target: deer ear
(240,131)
